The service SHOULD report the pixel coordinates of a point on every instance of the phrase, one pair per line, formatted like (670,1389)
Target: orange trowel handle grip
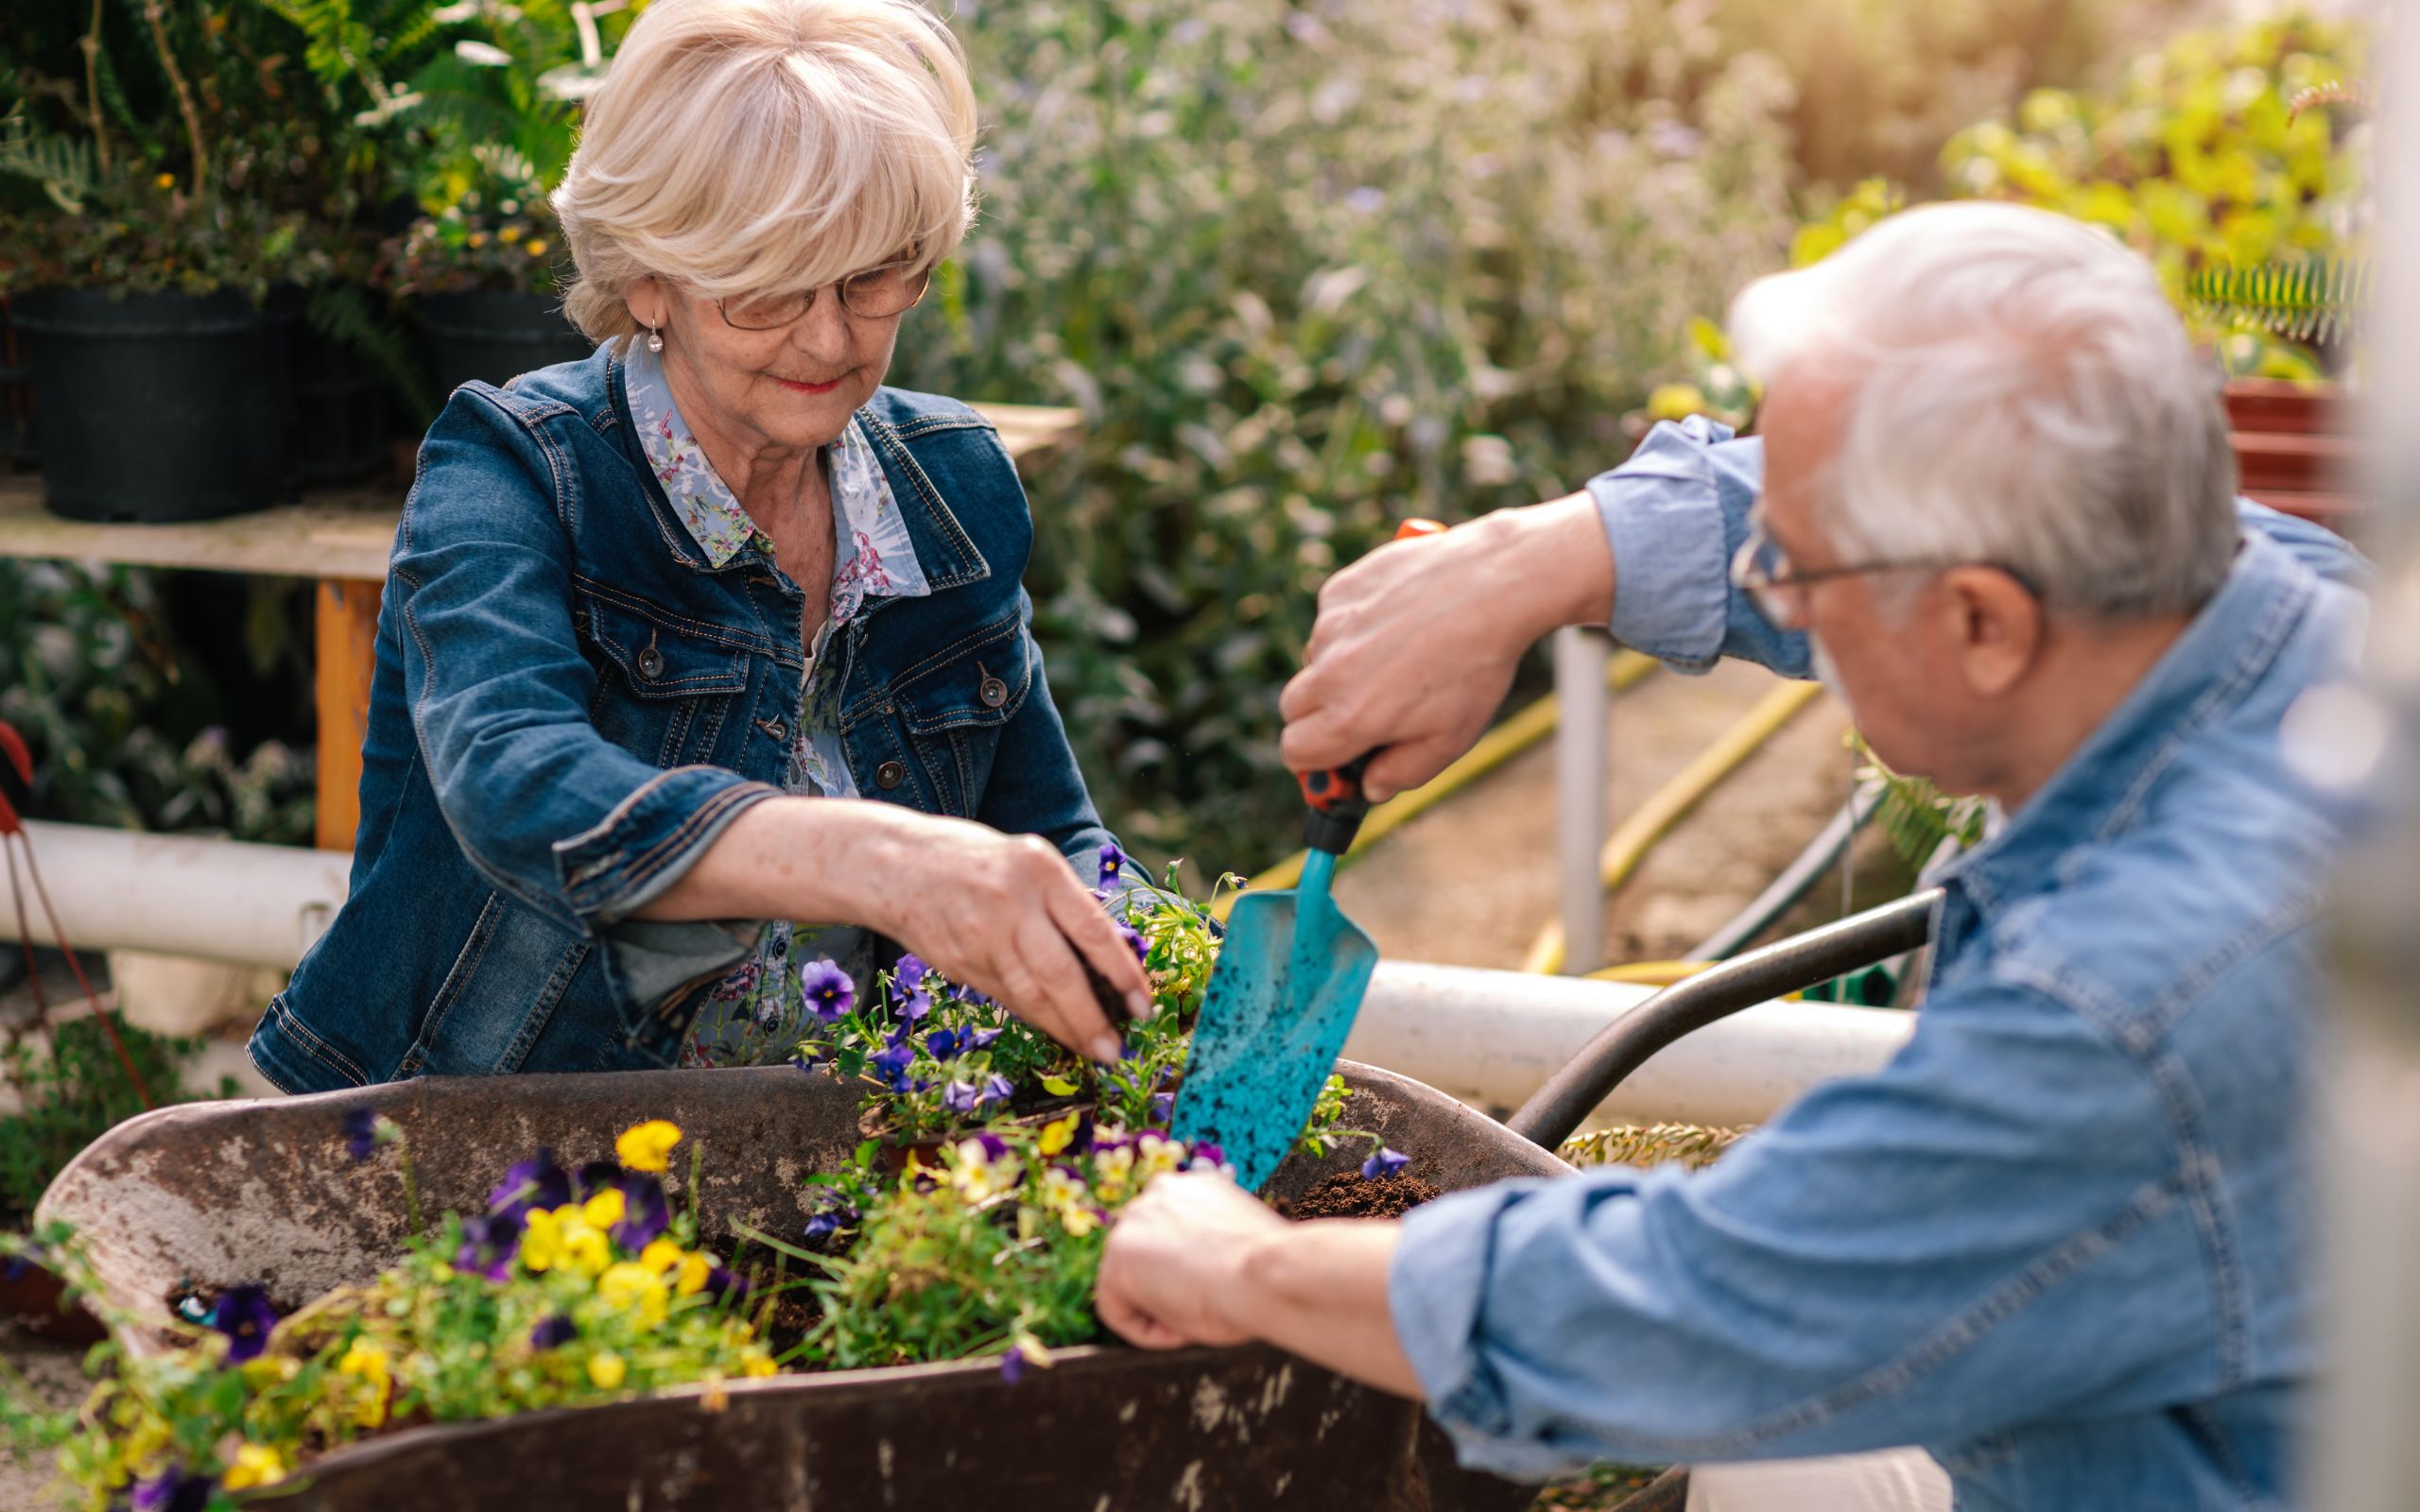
(1337,803)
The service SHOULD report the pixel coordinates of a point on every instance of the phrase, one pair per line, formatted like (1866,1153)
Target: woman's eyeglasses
(876,294)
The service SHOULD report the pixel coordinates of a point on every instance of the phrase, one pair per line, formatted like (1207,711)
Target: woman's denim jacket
(570,705)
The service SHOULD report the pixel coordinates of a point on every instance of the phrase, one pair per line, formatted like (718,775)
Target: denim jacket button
(651,663)
(890,774)
(993,693)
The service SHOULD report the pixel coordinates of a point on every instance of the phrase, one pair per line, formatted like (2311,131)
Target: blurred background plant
(1312,266)
(66,1090)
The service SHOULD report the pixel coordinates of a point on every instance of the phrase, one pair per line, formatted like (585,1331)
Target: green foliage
(1307,270)
(123,723)
(2311,300)
(1915,816)
(72,1090)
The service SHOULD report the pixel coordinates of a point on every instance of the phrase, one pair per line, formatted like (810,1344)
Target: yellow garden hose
(1651,820)
(1501,745)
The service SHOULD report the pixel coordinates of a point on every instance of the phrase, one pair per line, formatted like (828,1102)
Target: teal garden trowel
(1282,997)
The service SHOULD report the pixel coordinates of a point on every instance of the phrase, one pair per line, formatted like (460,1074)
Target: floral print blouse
(756,1013)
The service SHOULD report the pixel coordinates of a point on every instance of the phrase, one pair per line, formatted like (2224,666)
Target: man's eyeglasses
(876,294)
(1779,591)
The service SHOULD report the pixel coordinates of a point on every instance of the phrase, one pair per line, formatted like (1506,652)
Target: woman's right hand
(1004,914)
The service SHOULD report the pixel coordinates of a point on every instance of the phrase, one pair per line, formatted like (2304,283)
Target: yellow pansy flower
(607,1369)
(542,1241)
(660,1254)
(755,1360)
(606,1208)
(695,1269)
(255,1464)
(1058,1136)
(630,1284)
(642,1147)
(367,1363)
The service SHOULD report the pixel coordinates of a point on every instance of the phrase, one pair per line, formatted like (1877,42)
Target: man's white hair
(2020,391)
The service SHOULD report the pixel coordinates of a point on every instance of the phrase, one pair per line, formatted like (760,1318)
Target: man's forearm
(1320,1290)
(1560,568)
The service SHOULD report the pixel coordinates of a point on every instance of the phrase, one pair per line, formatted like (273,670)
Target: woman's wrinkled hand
(1416,643)
(1005,915)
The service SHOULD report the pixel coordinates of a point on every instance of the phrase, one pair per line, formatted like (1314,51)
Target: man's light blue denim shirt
(2061,1241)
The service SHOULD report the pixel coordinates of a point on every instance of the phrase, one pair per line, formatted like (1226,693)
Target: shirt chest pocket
(952,707)
(667,687)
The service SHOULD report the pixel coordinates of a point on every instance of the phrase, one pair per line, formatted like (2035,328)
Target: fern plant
(2316,301)
(1913,815)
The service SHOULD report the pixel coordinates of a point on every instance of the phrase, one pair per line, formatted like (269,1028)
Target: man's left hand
(1174,1267)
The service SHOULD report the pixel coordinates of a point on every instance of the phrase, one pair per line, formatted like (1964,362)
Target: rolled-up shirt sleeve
(541,802)
(1916,1257)
(1675,514)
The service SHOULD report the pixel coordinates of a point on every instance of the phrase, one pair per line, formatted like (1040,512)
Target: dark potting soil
(1349,1195)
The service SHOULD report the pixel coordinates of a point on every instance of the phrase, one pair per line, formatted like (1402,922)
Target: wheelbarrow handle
(1334,796)
(1556,1110)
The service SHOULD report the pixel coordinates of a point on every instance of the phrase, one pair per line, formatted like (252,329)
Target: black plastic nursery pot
(495,336)
(156,407)
(340,420)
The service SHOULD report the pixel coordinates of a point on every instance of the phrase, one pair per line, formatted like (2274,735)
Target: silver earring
(654,339)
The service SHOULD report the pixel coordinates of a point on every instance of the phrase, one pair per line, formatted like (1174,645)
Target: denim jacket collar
(947,556)
(2220,657)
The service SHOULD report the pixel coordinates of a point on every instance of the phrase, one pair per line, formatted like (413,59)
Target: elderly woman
(712,629)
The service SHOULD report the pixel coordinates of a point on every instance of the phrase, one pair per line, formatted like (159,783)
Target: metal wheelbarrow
(206,1195)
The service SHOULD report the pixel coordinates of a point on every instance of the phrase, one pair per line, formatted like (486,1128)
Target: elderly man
(2060,1242)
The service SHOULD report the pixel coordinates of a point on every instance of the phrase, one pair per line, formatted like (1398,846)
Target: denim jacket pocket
(679,682)
(954,704)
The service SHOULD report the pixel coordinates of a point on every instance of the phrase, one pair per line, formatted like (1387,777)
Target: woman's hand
(1006,916)
(1416,643)
(1003,914)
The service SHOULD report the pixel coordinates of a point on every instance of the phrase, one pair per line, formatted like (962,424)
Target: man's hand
(1196,1260)
(1174,1266)
(1416,643)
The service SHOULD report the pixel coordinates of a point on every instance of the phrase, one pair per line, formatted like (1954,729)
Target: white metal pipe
(1493,1038)
(221,900)
(1582,702)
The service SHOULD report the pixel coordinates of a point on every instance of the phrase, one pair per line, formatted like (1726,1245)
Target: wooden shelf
(343,533)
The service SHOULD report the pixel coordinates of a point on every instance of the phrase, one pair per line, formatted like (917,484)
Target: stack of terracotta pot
(2295,447)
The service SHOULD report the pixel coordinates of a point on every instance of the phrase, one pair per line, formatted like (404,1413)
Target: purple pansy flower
(1163,1106)
(808,1058)
(993,1146)
(967,995)
(1012,1365)
(827,989)
(361,1132)
(944,1044)
(536,1182)
(1207,1156)
(997,1089)
(825,1224)
(245,1316)
(960,1097)
(1112,859)
(1384,1163)
(725,1285)
(892,1066)
(173,1490)
(489,1247)
(553,1332)
(647,1213)
(981,1039)
(1134,942)
(908,975)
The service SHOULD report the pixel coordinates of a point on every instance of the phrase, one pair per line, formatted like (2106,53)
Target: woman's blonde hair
(753,146)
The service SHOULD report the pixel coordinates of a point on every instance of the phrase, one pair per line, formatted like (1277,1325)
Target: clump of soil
(1349,1195)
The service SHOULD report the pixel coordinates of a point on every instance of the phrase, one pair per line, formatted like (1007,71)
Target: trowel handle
(1337,803)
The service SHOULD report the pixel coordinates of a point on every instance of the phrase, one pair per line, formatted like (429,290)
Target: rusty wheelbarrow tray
(205,1196)
(209,1194)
